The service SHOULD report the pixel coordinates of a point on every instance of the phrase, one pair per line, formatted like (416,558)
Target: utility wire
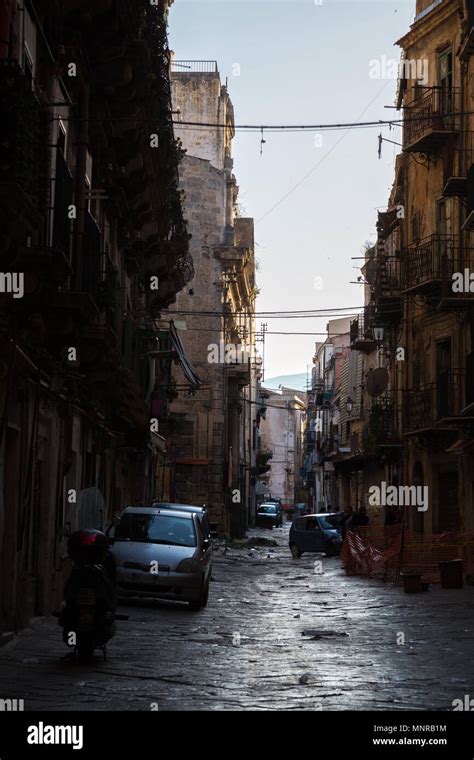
(312,127)
(317,312)
(323,158)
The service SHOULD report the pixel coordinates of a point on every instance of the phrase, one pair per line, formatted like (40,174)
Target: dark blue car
(316,533)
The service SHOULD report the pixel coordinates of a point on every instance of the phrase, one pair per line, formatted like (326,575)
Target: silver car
(162,554)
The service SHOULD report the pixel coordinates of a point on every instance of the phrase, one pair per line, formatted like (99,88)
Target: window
(28,65)
(443,378)
(443,217)
(445,71)
(156,529)
(445,82)
(200,535)
(62,138)
(267,510)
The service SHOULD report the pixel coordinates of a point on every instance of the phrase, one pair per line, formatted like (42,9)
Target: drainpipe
(463,249)
(82,144)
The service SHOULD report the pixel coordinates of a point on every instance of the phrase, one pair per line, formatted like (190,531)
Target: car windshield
(325,523)
(269,509)
(156,529)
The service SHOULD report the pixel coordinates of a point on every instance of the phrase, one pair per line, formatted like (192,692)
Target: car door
(314,536)
(298,533)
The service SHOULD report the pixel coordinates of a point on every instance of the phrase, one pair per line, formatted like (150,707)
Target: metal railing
(382,427)
(435,259)
(432,110)
(387,279)
(361,329)
(432,404)
(194,67)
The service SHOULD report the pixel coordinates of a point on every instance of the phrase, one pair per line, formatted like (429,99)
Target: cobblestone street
(275,635)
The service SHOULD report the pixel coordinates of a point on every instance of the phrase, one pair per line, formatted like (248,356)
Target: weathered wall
(202,99)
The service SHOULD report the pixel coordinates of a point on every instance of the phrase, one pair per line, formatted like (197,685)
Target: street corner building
(93,245)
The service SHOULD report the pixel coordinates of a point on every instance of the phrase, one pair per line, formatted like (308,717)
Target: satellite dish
(370,271)
(377,381)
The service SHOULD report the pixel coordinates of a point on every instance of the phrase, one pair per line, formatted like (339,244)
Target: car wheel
(295,551)
(205,596)
(202,601)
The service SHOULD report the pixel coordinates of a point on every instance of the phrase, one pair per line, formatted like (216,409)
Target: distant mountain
(298,382)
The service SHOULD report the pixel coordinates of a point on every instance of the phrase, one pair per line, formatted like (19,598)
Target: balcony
(430,119)
(438,267)
(382,430)
(239,372)
(24,155)
(387,296)
(41,263)
(433,408)
(323,396)
(362,332)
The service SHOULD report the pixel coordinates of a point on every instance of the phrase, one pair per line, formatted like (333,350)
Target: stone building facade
(213,453)
(281,433)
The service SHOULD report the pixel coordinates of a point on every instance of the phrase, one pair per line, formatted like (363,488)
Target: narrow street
(275,635)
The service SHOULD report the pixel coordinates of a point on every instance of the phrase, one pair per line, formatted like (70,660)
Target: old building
(214,441)
(437,252)
(92,245)
(333,423)
(375,338)
(282,436)
(417,330)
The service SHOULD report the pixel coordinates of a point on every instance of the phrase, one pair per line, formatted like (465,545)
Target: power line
(319,127)
(295,312)
(318,164)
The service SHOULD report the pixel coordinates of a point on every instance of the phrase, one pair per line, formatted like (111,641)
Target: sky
(304,62)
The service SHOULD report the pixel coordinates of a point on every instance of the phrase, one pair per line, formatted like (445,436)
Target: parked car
(315,533)
(299,509)
(201,512)
(162,553)
(268,515)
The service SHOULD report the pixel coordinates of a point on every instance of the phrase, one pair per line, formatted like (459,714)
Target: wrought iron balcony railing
(382,428)
(362,332)
(430,118)
(432,407)
(387,292)
(24,152)
(437,265)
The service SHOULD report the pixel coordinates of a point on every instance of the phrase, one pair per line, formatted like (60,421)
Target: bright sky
(304,63)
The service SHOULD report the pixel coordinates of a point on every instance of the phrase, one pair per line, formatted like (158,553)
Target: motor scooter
(90,598)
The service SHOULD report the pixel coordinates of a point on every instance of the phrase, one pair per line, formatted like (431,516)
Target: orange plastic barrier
(383,552)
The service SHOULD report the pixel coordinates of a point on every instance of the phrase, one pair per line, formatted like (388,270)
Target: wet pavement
(276,635)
